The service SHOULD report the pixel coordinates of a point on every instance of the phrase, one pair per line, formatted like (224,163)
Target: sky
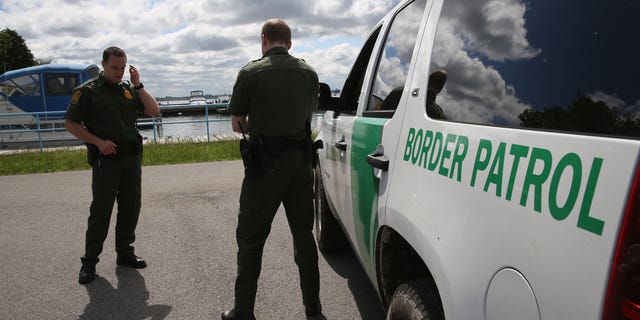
(180,46)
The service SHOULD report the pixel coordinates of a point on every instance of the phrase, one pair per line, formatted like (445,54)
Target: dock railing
(158,122)
(27,128)
(43,129)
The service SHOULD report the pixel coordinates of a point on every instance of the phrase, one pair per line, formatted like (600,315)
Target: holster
(140,144)
(255,157)
(93,154)
(94,157)
(247,159)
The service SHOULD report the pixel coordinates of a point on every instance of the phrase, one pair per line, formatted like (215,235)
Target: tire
(329,235)
(415,300)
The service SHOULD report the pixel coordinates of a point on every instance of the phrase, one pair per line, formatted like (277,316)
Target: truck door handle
(378,160)
(341,145)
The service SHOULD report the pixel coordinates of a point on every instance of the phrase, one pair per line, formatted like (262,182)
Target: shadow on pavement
(128,301)
(346,265)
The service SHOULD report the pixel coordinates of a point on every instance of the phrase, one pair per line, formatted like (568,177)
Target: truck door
(370,149)
(339,146)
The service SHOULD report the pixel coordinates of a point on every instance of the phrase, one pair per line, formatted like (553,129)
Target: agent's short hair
(276,30)
(112,51)
(438,78)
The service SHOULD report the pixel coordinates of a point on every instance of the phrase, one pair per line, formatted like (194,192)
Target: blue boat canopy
(44,88)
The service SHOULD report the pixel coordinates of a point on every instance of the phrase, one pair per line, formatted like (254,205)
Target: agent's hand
(135,76)
(106,147)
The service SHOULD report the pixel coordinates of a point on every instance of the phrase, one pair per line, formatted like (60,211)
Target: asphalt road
(186,234)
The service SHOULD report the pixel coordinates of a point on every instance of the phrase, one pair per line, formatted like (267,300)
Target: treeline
(582,115)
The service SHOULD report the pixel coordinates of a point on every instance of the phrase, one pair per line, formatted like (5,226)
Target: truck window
(393,66)
(353,85)
(522,64)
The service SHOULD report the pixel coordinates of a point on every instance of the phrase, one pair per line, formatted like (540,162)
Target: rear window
(568,65)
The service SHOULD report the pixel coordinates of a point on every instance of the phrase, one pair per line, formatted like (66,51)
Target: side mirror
(325,100)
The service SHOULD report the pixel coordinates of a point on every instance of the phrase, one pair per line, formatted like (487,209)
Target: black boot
(87,271)
(313,309)
(131,260)
(232,315)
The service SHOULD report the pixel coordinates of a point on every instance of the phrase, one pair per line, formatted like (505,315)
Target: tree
(14,53)
(582,115)
(592,116)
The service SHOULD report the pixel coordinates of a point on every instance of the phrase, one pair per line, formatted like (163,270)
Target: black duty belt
(275,146)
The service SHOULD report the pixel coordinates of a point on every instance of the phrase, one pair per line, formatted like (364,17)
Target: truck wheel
(329,236)
(414,301)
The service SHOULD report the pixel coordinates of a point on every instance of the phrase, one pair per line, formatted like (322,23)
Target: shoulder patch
(76,97)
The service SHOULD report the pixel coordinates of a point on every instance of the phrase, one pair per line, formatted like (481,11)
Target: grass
(28,162)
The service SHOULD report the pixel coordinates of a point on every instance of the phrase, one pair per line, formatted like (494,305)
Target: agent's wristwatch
(140,86)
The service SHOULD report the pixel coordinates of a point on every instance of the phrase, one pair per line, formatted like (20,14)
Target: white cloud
(180,46)
(494,30)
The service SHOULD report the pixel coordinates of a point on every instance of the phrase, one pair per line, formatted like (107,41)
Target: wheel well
(397,263)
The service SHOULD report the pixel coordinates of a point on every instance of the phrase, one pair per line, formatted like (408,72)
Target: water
(195,127)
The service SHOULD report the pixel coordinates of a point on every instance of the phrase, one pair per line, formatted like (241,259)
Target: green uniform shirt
(108,111)
(278,92)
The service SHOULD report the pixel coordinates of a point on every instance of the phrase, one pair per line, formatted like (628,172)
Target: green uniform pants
(114,179)
(292,185)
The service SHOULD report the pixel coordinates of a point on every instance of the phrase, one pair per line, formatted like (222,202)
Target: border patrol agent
(275,97)
(102,113)
(436,83)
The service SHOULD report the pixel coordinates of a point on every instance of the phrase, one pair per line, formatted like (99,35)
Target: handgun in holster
(260,154)
(94,157)
(254,156)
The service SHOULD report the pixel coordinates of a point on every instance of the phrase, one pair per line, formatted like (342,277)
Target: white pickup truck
(482,160)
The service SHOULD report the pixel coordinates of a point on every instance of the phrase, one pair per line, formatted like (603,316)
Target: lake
(195,127)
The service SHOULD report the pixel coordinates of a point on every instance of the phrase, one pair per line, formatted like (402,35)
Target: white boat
(197,97)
